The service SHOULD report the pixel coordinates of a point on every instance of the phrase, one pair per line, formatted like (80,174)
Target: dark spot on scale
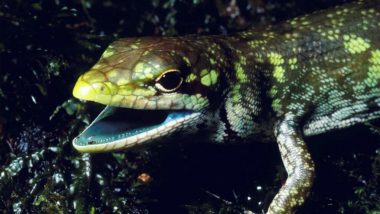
(91,142)
(372,105)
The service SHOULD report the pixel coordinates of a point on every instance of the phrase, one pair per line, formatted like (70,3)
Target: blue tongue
(175,115)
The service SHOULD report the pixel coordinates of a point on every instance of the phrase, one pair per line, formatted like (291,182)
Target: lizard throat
(119,128)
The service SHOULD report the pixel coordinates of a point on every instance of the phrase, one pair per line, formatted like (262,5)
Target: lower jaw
(117,128)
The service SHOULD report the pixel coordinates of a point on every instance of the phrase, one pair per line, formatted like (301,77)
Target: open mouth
(118,128)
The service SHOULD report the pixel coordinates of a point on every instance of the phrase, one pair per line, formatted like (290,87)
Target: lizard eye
(169,81)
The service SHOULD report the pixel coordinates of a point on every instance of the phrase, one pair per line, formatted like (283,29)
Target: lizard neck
(248,79)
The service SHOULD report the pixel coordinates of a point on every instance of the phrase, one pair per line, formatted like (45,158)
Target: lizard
(306,76)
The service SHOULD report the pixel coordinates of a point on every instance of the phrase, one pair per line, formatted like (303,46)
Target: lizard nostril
(101,88)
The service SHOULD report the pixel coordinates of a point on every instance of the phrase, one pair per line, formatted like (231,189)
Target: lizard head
(152,87)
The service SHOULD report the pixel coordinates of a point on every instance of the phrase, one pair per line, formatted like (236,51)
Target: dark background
(45,45)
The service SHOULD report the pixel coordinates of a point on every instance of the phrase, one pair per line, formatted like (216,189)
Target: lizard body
(306,76)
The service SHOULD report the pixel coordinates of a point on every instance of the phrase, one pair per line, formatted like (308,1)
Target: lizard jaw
(109,132)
